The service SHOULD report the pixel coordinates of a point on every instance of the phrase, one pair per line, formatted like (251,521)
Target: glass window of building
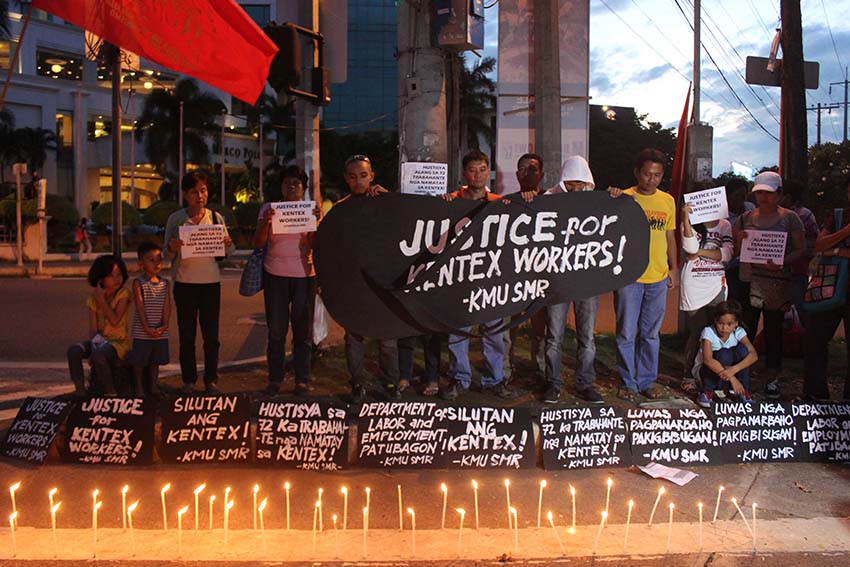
(59,64)
(98,126)
(260,13)
(7,50)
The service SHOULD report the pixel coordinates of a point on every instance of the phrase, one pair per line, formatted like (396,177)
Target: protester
(726,355)
(81,237)
(197,284)
(476,172)
(289,286)
(640,306)
(736,199)
(360,178)
(150,324)
(792,195)
(822,325)
(108,315)
(431,347)
(707,246)
(770,283)
(575,176)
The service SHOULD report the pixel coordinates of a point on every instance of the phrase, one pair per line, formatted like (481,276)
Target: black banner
(584,437)
(755,432)
(675,437)
(116,431)
(206,429)
(428,435)
(310,435)
(34,429)
(824,431)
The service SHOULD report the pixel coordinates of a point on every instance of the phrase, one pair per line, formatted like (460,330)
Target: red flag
(212,40)
(679,175)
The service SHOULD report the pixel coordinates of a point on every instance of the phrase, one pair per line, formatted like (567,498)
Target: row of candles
(318,524)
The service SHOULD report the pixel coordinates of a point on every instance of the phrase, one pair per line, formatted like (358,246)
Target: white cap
(575,168)
(768,181)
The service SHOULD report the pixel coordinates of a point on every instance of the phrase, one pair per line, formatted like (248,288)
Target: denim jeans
(103,360)
(289,300)
(556,318)
(493,345)
(727,357)
(198,303)
(819,333)
(538,344)
(431,350)
(773,332)
(698,320)
(387,360)
(640,311)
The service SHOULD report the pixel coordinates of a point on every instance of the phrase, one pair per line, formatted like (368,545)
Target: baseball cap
(767,181)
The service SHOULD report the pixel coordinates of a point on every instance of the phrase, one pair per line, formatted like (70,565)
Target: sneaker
(358,394)
(628,395)
(272,389)
(187,388)
(653,392)
(772,390)
(552,395)
(212,388)
(704,399)
(452,391)
(502,391)
(590,394)
(746,397)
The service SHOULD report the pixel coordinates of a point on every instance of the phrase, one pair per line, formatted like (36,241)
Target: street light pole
(116,151)
(180,157)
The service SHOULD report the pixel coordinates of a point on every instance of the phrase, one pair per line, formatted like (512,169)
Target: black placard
(755,432)
(428,435)
(676,437)
(310,435)
(584,437)
(824,431)
(206,429)
(116,431)
(34,429)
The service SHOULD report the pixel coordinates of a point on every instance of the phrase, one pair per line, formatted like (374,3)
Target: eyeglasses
(358,157)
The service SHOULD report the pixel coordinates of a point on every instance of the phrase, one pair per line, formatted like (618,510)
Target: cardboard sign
(420,178)
(755,432)
(824,431)
(206,429)
(707,205)
(111,431)
(762,245)
(202,241)
(584,438)
(34,429)
(675,437)
(303,435)
(428,435)
(436,266)
(293,217)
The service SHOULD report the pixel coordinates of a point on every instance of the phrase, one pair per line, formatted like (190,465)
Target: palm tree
(471,102)
(8,151)
(159,125)
(32,145)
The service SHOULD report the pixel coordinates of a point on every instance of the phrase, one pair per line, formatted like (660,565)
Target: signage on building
(239,150)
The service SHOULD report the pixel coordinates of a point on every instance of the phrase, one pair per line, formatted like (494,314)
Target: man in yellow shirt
(640,306)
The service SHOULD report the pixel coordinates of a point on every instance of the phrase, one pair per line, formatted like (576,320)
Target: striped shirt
(154,296)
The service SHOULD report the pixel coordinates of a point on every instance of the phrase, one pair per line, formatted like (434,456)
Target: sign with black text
(824,431)
(420,178)
(111,431)
(707,205)
(293,217)
(761,246)
(202,241)
(675,437)
(34,429)
(310,435)
(206,429)
(755,432)
(584,438)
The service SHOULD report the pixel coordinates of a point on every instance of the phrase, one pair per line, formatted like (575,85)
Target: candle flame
(460,511)
(543,483)
(182,511)
(610,482)
(443,487)
(662,490)
(15,486)
(474,484)
(200,488)
(165,488)
(52,492)
(55,507)
(699,505)
(572,490)
(507,482)
(334,518)
(344,490)
(12,518)
(230,505)
(722,488)
(734,500)
(512,510)
(98,505)
(368,490)
(604,515)
(94,494)
(212,497)
(286,485)
(132,507)
(256,488)
(318,504)
(125,489)
(672,506)
(321,491)
(549,515)
(631,503)
(411,512)
(263,504)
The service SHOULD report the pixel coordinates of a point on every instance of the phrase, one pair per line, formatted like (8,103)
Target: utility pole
(793,145)
(117,229)
(547,85)
(819,108)
(307,113)
(845,103)
(697,56)
(700,137)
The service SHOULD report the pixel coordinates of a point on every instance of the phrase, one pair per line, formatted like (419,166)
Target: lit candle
(315,524)
(262,523)
(508,499)
(365,528)
(572,529)
(124,490)
(412,532)
(717,504)
(540,502)
(12,489)
(227,491)
(321,513)
(13,517)
(200,488)
(368,498)
(130,509)
(475,499)
(445,490)
(50,496)
(180,513)
(254,500)
(336,537)
(162,492)
(754,524)
(654,506)
(227,506)
(53,510)
(743,517)
(94,510)
(628,522)
(212,501)
(699,506)
(599,531)
(513,513)
(286,487)
(400,510)
(344,491)
(608,494)
(670,527)
(462,513)
(555,531)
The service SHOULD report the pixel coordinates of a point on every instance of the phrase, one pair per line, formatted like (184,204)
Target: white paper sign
(421,178)
(762,245)
(202,241)
(707,205)
(676,476)
(293,217)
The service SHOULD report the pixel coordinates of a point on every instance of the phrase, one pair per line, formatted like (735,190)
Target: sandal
(403,384)
(432,389)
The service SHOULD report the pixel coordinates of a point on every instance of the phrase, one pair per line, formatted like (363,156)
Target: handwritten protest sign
(202,241)
(707,205)
(206,429)
(762,245)
(584,437)
(755,432)
(824,431)
(293,217)
(116,431)
(31,434)
(303,435)
(676,437)
(419,178)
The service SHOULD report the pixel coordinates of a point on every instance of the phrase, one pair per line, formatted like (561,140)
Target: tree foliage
(381,147)
(829,174)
